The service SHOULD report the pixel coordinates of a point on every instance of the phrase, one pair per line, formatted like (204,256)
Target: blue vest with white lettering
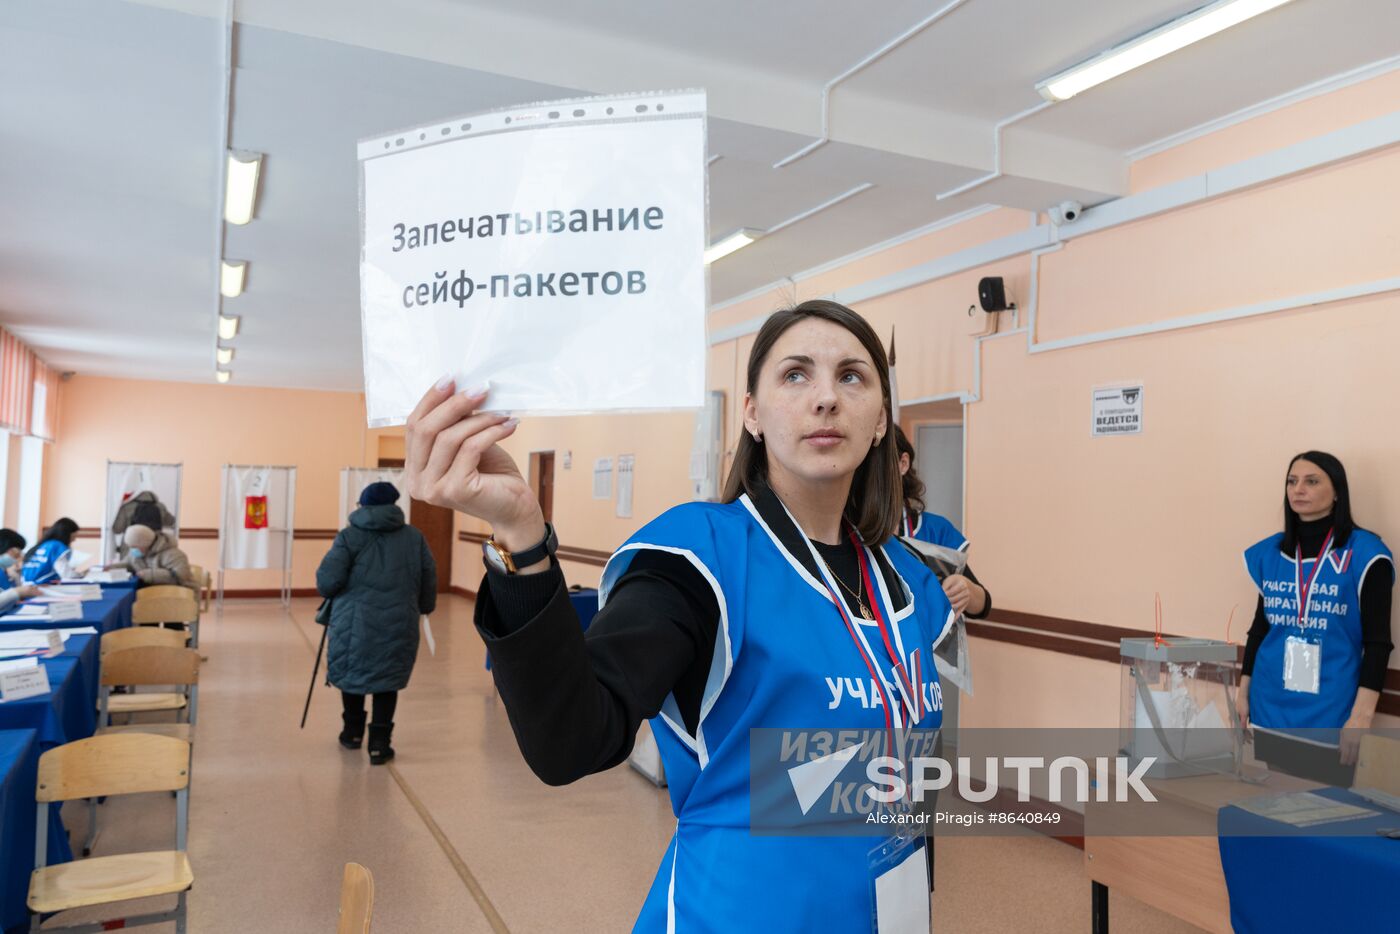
(39,566)
(783,659)
(1334,620)
(932,528)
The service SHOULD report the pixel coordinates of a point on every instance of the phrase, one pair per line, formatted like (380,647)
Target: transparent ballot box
(1178,707)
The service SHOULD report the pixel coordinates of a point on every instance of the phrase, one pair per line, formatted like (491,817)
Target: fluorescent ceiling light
(228,327)
(222,376)
(735,241)
(241,191)
(224,355)
(231,277)
(1164,40)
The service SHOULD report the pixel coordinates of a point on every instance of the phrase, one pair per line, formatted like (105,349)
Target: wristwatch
(498,559)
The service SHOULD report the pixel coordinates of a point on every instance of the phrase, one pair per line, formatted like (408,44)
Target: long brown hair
(913,487)
(875,503)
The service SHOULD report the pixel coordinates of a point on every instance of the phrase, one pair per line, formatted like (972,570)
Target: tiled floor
(276,812)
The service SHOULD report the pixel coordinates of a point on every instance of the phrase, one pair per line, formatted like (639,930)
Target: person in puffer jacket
(155,558)
(380,577)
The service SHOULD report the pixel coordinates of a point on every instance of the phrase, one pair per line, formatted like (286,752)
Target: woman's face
(1310,490)
(15,553)
(817,405)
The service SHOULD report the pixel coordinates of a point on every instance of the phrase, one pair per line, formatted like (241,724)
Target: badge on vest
(1302,665)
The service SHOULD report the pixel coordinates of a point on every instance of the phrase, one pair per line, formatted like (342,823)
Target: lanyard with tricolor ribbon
(911,696)
(1305,590)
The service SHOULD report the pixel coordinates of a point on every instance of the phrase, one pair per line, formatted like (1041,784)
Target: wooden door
(541,480)
(436,524)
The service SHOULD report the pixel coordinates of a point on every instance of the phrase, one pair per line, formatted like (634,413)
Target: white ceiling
(109,130)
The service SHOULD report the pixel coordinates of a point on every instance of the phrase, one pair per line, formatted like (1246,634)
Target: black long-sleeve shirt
(1375,613)
(575,701)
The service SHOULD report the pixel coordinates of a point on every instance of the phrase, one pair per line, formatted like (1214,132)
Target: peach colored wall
(1267,132)
(204,427)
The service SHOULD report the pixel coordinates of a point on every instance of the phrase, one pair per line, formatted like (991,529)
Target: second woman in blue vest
(788,605)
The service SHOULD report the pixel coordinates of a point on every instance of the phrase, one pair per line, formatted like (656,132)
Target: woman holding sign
(787,606)
(1317,664)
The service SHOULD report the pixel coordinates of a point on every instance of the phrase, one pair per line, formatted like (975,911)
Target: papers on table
(29,609)
(19,664)
(18,653)
(1303,809)
(74,592)
(39,617)
(109,576)
(39,638)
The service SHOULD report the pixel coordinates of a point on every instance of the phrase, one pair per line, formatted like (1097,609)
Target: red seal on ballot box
(255,512)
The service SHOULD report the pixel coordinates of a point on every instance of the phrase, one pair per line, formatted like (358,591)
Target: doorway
(541,480)
(436,524)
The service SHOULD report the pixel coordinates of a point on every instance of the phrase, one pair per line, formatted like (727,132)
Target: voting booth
(126,479)
(255,522)
(353,481)
(1178,706)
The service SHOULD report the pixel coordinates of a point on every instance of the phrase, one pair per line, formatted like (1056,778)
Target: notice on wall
(1117,411)
(553,250)
(626,474)
(602,478)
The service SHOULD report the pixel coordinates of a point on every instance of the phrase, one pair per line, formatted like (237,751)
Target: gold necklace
(860,600)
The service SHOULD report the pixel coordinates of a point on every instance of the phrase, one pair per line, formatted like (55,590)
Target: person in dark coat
(379,576)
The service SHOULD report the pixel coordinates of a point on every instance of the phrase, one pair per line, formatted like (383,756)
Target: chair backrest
(135,637)
(151,664)
(161,591)
(166,609)
(113,764)
(356,900)
(1378,764)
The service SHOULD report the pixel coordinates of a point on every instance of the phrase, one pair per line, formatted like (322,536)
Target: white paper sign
(554,250)
(65,609)
(30,682)
(626,464)
(1117,411)
(55,643)
(602,478)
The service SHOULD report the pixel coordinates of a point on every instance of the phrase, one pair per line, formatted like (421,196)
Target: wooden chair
(159,591)
(1378,764)
(104,766)
(144,666)
(205,586)
(135,637)
(356,900)
(182,609)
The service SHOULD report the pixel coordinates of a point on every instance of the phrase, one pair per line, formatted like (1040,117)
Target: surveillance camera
(1066,212)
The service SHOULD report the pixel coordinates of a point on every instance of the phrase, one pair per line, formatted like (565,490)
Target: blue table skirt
(68,711)
(19,767)
(1335,877)
(112,611)
(585,605)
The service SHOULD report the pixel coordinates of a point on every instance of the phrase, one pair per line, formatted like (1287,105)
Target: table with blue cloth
(19,765)
(110,611)
(68,711)
(585,603)
(1332,877)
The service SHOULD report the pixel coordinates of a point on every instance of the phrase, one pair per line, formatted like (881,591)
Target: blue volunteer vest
(1334,621)
(38,567)
(934,529)
(783,658)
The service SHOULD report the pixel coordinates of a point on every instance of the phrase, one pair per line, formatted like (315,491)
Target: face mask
(136,552)
(6,561)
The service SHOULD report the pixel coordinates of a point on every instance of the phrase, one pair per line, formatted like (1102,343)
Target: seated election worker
(1316,664)
(155,557)
(717,618)
(47,561)
(11,556)
(965,592)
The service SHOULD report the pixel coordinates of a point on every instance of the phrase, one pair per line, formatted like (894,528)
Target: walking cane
(325,630)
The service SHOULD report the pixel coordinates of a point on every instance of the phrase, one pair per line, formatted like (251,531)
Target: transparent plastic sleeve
(950,651)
